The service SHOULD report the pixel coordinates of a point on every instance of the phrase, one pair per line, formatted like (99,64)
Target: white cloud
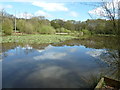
(5,6)
(74,14)
(51,6)
(9,6)
(24,15)
(115,2)
(52,0)
(100,11)
(29,15)
(42,13)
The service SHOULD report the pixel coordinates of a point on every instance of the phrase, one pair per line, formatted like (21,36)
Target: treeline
(33,25)
(41,25)
(97,26)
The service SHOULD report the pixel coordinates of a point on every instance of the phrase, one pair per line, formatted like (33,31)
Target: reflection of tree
(91,42)
(27,51)
(32,47)
(5,47)
(39,46)
(92,80)
(97,42)
(19,47)
(112,58)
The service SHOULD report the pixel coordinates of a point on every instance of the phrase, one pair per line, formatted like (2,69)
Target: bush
(7,27)
(44,29)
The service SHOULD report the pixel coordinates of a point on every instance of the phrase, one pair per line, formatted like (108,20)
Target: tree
(44,29)
(21,25)
(109,10)
(79,26)
(28,28)
(7,26)
(55,24)
(24,26)
(69,25)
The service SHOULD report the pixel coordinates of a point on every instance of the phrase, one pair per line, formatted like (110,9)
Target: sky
(78,11)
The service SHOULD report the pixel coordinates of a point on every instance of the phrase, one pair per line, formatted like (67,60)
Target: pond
(71,64)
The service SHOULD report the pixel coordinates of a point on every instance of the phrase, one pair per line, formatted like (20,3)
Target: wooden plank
(100,84)
(108,82)
(111,82)
(61,33)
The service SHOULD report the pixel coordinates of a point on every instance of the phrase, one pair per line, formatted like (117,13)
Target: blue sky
(65,10)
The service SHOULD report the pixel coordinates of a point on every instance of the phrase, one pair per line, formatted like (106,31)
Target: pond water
(70,64)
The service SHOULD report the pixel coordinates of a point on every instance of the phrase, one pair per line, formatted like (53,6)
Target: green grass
(38,39)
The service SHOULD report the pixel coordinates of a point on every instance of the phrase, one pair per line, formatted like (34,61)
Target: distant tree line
(41,25)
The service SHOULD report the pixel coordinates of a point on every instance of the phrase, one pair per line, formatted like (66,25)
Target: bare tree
(2,12)
(110,11)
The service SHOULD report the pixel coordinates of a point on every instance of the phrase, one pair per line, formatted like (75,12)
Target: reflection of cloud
(10,54)
(0,56)
(73,49)
(40,50)
(96,53)
(1,75)
(48,47)
(53,72)
(49,76)
(48,53)
(48,72)
(51,55)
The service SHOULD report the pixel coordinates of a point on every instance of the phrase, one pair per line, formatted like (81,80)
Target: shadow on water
(74,63)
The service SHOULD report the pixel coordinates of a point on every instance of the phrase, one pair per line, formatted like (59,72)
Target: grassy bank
(38,39)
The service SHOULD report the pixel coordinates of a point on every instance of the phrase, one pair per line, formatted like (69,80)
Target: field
(38,39)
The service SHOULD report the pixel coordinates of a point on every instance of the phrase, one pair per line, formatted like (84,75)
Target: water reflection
(112,58)
(97,53)
(66,64)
